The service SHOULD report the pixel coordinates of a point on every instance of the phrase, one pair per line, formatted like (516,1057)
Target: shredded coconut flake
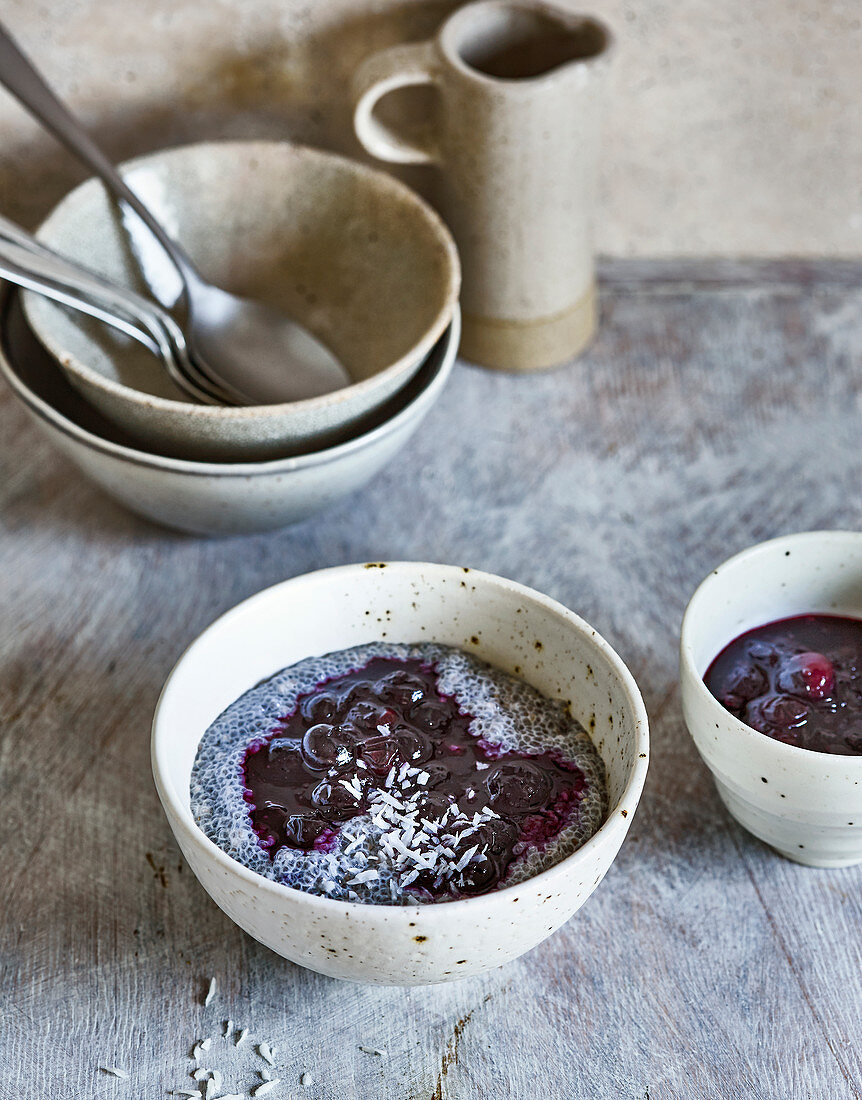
(211,992)
(363,876)
(465,859)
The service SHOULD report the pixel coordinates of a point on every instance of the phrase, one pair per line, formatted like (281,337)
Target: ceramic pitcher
(514,141)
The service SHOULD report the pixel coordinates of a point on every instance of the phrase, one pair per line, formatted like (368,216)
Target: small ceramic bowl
(209,498)
(807,805)
(512,627)
(349,251)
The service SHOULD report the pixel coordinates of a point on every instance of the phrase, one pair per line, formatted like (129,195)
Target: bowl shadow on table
(274,89)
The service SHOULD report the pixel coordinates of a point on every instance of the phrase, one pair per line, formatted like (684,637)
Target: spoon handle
(12,232)
(24,276)
(64,282)
(25,250)
(28,251)
(18,76)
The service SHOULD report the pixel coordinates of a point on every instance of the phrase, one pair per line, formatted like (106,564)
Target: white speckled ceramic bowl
(519,631)
(807,805)
(349,251)
(210,498)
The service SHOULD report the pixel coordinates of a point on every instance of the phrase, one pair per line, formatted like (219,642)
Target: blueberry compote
(453,810)
(798,680)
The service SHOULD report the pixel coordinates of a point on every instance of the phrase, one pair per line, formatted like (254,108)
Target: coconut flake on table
(265,1051)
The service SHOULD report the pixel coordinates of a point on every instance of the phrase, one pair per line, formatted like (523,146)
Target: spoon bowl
(252,349)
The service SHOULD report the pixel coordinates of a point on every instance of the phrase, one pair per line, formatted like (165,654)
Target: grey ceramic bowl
(349,251)
(210,498)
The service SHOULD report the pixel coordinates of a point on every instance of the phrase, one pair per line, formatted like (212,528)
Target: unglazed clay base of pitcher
(533,344)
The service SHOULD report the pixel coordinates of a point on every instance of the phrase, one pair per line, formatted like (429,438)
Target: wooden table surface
(720,405)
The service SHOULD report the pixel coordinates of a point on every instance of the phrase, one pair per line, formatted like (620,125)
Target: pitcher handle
(398,67)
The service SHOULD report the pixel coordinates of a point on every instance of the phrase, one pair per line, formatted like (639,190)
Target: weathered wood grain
(720,405)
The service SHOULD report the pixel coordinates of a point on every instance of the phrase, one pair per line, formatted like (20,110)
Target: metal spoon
(28,256)
(115,307)
(240,344)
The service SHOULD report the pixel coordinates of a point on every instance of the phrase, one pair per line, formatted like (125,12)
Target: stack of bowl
(348,251)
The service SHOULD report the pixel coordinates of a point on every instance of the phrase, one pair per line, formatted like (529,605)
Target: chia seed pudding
(395,775)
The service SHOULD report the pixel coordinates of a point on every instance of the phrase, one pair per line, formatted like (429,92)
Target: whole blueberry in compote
(797,680)
(745,682)
(810,675)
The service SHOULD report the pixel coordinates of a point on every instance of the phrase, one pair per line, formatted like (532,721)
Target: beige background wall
(735,126)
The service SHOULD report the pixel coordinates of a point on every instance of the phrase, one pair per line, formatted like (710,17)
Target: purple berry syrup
(798,680)
(386,730)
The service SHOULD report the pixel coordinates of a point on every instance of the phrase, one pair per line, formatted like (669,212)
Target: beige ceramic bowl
(347,250)
(211,498)
(807,805)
